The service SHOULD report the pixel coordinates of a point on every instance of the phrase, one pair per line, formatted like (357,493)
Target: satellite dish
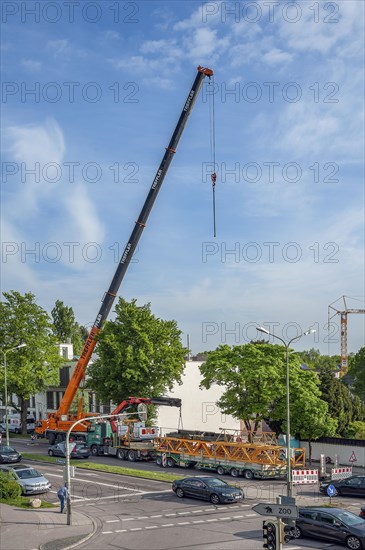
(142,411)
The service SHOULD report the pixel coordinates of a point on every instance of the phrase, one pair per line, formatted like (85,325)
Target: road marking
(167,525)
(199,521)
(159,516)
(170,515)
(106,532)
(142,517)
(250,515)
(238,517)
(112,520)
(136,529)
(224,519)
(122,530)
(211,520)
(184,523)
(196,511)
(151,527)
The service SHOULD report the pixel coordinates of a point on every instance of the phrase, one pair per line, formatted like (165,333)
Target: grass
(23,502)
(121,470)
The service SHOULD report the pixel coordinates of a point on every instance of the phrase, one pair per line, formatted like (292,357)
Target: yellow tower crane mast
(343,312)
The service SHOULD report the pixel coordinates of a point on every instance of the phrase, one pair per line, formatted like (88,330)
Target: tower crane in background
(332,311)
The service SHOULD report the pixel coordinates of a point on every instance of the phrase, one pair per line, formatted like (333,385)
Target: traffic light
(269,535)
(286,532)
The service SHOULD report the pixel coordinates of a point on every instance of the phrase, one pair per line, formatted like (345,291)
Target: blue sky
(91,94)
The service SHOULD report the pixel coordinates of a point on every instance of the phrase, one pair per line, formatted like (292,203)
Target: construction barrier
(341,473)
(304,477)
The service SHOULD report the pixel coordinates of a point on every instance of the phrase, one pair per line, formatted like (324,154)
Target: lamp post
(67,451)
(6,388)
(286,345)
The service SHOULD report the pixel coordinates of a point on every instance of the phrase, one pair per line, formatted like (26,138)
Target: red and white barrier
(341,473)
(304,477)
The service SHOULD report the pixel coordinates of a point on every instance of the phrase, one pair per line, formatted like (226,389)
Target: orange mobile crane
(61,420)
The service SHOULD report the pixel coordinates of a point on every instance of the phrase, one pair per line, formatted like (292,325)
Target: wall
(199,411)
(344,450)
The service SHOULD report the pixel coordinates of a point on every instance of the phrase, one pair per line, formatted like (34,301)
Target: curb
(45,546)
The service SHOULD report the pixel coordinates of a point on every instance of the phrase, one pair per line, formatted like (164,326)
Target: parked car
(332,524)
(8,454)
(30,480)
(2,430)
(78,450)
(207,488)
(351,486)
(362,512)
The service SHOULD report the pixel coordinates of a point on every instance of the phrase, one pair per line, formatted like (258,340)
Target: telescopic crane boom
(61,419)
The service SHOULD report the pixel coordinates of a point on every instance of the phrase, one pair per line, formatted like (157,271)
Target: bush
(9,488)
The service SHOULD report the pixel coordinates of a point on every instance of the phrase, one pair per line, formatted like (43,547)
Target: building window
(64,376)
(65,352)
(59,395)
(50,402)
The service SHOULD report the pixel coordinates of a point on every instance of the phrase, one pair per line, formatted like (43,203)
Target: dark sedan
(352,486)
(8,454)
(207,488)
(78,450)
(331,524)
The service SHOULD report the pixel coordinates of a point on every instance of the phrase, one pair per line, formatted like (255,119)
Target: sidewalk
(47,529)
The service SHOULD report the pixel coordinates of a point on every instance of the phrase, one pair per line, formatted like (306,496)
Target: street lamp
(6,388)
(287,344)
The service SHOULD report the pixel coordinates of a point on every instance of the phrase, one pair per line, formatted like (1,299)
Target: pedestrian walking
(62,494)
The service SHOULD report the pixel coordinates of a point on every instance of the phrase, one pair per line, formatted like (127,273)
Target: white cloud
(32,65)
(276,56)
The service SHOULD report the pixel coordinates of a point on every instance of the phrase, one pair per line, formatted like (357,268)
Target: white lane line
(211,520)
(142,517)
(184,523)
(250,515)
(199,521)
(196,511)
(136,529)
(122,530)
(224,519)
(151,527)
(158,516)
(238,517)
(167,525)
(112,520)
(170,515)
(106,532)
(129,519)
(118,496)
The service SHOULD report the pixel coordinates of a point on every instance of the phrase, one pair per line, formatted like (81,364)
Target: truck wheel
(51,439)
(248,474)
(220,470)
(234,472)
(94,450)
(159,461)
(170,462)
(121,454)
(50,453)
(132,456)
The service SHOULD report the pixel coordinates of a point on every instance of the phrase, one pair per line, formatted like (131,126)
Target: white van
(14,424)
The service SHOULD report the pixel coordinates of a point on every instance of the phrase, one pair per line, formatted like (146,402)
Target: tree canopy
(32,368)
(254,380)
(138,355)
(65,326)
(357,371)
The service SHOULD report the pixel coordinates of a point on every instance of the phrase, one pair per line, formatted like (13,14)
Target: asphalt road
(133,513)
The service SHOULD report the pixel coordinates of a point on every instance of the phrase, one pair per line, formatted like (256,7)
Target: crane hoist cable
(212,146)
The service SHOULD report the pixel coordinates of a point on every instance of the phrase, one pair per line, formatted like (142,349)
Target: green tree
(357,371)
(65,326)
(254,380)
(34,367)
(138,354)
(341,405)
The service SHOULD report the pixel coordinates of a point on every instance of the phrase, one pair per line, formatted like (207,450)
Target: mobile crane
(61,420)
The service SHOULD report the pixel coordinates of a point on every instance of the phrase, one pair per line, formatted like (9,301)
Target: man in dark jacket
(62,494)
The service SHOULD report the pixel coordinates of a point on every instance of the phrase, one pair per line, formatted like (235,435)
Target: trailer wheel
(132,456)
(121,454)
(220,470)
(170,462)
(159,461)
(94,450)
(234,472)
(248,474)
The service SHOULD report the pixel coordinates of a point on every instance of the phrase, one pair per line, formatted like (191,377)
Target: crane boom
(110,294)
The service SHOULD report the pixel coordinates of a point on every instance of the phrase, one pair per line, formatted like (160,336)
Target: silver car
(30,480)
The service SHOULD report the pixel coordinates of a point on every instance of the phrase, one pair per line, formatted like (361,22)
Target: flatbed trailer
(251,460)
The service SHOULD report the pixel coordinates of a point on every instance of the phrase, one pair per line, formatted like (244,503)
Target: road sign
(278,510)
(331,490)
(353,457)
